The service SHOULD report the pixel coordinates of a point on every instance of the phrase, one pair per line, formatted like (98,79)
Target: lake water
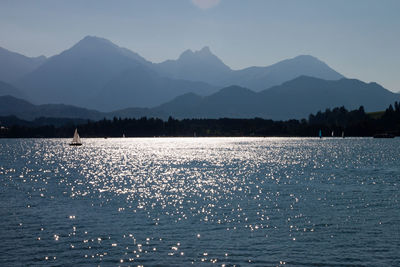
(200,202)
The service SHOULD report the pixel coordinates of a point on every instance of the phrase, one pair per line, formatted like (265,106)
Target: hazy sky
(358,38)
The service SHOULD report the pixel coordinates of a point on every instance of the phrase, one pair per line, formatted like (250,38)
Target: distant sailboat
(333,133)
(123,135)
(76,141)
(320,134)
(343,134)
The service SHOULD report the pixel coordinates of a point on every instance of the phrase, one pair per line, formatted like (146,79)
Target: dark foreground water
(200,201)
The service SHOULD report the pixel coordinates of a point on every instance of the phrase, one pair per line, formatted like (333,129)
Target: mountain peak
(205,49)
(307,59)
(90,41)
(203,58)
(200,65)
(235,90)
(205,52)
(308,65)
(186,53)
(93,38)
(92,44)
(101,46)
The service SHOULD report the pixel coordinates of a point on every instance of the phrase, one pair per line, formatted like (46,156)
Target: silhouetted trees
(338,120)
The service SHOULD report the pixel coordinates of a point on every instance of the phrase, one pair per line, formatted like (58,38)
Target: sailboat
(320,134)
(333,134)
(76,141)
(343,134)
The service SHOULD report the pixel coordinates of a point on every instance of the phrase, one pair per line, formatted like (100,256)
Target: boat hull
(75,144)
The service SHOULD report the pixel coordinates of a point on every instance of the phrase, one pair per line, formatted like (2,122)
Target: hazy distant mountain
(76,75)
(292,100)
(142,87)
(195,66)
(12,106)
(96,73)
(13,65)
(317,94)
(295,99)
(204,66)
(231,102)
(25,110)
(261,78)
(12,120)
(8,89)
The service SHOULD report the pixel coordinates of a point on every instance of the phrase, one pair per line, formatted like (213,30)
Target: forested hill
(337,120)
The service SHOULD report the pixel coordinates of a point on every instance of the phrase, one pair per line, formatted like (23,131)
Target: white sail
(76,139)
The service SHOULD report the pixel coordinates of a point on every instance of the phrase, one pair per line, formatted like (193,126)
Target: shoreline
(199,137)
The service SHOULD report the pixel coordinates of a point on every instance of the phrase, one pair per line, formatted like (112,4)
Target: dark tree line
(338,120)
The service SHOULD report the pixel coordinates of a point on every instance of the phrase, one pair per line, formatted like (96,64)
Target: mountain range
(104,80)
(95,73)
(294,99)
(204,66)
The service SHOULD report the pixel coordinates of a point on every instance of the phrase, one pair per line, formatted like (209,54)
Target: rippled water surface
(200,201)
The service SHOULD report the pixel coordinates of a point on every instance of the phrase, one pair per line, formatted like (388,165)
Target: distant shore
(191,137)
(337,122)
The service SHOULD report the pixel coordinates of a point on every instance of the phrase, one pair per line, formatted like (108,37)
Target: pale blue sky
(358,38)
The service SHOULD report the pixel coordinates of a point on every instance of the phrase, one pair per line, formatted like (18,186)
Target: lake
(200,202)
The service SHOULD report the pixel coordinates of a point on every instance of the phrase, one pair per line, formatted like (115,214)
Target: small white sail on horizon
(76,140)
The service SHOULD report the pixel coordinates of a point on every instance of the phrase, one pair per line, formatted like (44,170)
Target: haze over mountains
(294,99)
(204,66)
(13,66)
(199,65)
(291,100)
(96,74)
(8,89)
(23,109)
(94,69)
